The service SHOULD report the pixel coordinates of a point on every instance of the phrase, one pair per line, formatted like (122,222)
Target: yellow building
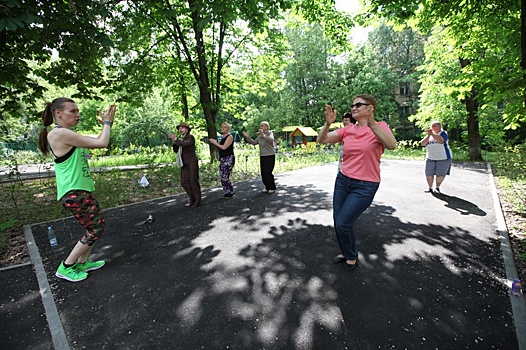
(304,135)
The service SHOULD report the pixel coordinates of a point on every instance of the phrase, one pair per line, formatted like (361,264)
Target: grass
(32,201)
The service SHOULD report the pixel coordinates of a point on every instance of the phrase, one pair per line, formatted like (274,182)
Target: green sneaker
(71,273)
(90,265)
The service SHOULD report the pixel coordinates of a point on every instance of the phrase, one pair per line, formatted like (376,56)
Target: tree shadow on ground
(254,272)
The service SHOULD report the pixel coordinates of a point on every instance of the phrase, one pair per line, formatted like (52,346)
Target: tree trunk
(184,99)
(4,129)
(205,89)
(471,102)
(523,44)
(474,148)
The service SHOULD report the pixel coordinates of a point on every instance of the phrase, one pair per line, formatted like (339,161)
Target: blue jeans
(351,198)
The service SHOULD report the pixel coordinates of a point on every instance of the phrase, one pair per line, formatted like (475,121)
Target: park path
(254,271)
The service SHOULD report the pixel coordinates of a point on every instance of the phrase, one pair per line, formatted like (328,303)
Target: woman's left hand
(330,114)
(108,116)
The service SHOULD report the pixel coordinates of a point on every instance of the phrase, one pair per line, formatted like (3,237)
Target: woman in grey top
(267,157)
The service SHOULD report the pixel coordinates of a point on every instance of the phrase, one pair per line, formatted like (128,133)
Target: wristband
(107,122)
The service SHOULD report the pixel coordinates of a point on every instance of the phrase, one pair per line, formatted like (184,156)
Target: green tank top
(72,172)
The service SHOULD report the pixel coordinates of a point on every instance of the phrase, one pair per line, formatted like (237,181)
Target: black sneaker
(228,195)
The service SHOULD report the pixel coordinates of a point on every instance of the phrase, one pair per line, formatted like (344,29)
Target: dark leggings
(87,211)
(267,167)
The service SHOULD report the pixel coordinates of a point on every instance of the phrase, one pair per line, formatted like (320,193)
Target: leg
(225,170)
(272,161)
(195,187)
(267,167)
(430,181)
(443,168)
(351,199)
(87,211)
(439,180)
(79,252)
(185,182)
(264,171)
(430,171)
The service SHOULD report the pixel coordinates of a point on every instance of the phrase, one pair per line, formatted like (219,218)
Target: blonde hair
(436,122)
(228,125)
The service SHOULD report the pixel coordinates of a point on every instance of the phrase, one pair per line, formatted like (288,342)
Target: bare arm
(224,146)
(387,139)
(61,139)
(430,134)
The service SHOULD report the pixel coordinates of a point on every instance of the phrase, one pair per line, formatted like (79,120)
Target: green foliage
(30,30)
(408,145)
(512,162)
(486,37)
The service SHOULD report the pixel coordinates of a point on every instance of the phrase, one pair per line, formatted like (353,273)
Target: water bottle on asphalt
(52,237)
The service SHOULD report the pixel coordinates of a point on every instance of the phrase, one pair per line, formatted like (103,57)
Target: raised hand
(108,116)
(330,114)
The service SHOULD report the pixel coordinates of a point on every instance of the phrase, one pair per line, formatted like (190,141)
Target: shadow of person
(458,204)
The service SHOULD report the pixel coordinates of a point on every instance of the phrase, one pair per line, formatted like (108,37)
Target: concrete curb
(518,305)
(56,328)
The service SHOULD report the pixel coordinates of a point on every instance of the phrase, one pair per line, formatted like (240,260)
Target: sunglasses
(359,104)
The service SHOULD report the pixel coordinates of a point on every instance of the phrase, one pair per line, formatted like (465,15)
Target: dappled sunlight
(190,309)
(255,272)
(419,251)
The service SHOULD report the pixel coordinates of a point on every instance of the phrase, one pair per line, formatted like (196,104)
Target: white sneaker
(265,191)
(271,191)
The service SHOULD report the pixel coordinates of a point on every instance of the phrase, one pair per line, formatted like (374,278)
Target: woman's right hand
(172,136)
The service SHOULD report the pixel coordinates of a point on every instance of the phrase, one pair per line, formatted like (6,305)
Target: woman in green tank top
(74,183)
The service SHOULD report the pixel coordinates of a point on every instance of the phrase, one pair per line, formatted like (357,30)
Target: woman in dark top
(185,147)
(227,159)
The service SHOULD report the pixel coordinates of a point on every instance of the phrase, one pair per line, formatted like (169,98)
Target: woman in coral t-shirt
(359,176)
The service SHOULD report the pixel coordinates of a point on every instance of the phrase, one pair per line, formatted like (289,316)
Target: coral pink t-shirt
(361,152)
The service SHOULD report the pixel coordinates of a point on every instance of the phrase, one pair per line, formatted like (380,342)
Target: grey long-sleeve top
(265,142)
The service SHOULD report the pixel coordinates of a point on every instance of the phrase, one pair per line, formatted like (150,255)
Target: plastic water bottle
(52,237)
(516,288)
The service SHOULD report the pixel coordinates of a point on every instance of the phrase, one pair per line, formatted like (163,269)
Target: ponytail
(48,117)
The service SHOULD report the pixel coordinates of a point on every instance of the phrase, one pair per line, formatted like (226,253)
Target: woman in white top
(438,156)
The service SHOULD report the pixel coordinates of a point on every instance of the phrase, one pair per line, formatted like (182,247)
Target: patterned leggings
(226,164)
(87,211)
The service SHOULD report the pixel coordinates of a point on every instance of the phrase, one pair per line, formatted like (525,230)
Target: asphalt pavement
(255,272)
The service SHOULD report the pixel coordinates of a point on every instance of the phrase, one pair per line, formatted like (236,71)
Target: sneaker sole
(69,279)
